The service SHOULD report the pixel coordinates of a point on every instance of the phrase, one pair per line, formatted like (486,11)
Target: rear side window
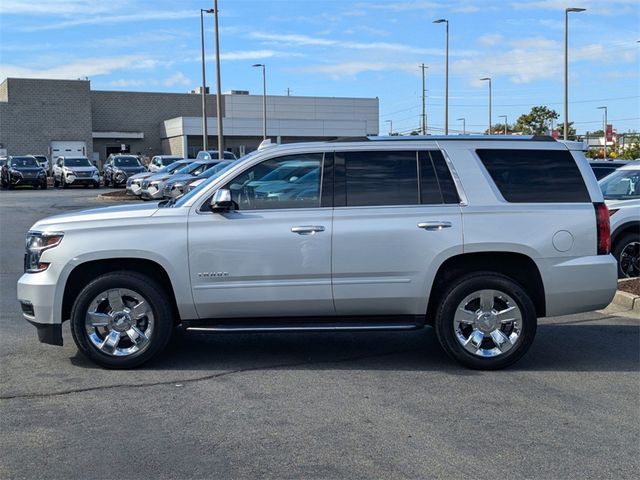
(535,176)
(436,183)
(381,178)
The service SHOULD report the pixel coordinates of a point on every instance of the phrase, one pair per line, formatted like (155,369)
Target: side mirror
(221,201)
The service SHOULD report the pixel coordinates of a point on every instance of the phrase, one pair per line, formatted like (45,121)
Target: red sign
(555,134)
(609,133)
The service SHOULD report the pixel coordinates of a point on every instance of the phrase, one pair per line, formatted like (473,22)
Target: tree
(537,121)
(572,131)
(498,129)
(632,148)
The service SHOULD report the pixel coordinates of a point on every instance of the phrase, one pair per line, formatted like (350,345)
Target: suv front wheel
(121,320)
(486,321)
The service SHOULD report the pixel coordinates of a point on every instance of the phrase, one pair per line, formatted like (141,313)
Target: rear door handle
(434,225)
(307,229)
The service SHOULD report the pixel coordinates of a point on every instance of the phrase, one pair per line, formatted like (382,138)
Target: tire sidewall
(620,244)
(465,286)
(158,303)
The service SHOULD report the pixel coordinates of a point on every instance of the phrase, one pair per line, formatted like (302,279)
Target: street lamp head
(258,65)
(486,78)
(441,20)
(209,10)
(568,10)
(600,108)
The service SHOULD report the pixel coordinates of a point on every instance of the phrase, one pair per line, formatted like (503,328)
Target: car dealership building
(57,117)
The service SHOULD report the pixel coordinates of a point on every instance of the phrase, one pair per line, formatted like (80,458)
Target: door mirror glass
(221,201)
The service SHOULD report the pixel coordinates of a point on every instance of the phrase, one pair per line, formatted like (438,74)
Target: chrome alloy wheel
(119,322)
(630,260)
(488,323)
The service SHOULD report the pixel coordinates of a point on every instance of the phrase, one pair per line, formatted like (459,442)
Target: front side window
(292,181)
(535,176)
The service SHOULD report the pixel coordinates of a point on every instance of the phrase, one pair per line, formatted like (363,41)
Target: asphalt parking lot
(368,405)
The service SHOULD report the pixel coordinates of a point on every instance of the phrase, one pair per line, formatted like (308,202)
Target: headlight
(36,243)
(13,171)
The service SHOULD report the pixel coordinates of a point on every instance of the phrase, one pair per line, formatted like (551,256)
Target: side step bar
(332,324)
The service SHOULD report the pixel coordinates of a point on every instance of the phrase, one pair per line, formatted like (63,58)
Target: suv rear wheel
(121,320)
(486,321)
(627,252)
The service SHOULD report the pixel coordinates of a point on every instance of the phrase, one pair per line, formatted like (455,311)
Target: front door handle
(307,229)
(434,225)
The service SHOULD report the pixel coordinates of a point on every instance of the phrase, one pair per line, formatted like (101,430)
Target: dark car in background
(119,168)
(602,168)
(23,170)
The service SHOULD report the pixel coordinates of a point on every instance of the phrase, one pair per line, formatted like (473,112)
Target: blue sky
(347,48)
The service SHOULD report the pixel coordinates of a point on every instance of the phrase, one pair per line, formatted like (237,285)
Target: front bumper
(152,192)
(172,192)
(17,181)
(134,189)
(71,180)
(36,294)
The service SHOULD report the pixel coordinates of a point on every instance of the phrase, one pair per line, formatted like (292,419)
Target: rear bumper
(578,285)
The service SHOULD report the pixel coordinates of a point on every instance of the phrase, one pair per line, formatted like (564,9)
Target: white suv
(476,237)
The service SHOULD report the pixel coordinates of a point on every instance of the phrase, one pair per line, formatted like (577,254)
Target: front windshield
(126,162)
(24,162)
(185,198)
(172,167)
(192,167)
(621,185)
(77,162)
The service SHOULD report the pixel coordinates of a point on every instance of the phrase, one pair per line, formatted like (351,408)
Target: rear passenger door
(397,217)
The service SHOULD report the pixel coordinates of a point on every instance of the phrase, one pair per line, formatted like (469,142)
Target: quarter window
(535,176)
(292,181)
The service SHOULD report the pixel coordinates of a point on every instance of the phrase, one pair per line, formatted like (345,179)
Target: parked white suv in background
(621,190)
(68,171)
(475,236)
(160,161)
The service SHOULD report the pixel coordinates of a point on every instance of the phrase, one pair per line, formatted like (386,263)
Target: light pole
(604,130)
(218,86)
(446,74)
(505,122)
(203,94)
(489,80)
(390,122)
(423,67)
(464,125)
(264,98)
(566,67)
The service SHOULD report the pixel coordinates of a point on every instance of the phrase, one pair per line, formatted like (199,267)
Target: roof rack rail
(409,138)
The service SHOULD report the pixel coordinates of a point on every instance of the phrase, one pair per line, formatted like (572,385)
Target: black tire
(56,183)
(465,286)
(106,181)
(43,185)
(63,182)
(96,185)
(621,243)
(157,300)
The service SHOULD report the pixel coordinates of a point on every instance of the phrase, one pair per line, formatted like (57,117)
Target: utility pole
(604,130)
(218,86)
(423,67)
(203,89)
(489,80)
(566,67)
(288,92)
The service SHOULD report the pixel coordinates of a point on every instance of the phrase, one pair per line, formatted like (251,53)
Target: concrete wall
(142,112)
(38,112)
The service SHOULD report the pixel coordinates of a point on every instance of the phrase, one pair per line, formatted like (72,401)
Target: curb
(627,300)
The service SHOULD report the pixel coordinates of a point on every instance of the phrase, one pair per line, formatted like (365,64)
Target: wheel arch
(628,227)
(516,266)
(83,272)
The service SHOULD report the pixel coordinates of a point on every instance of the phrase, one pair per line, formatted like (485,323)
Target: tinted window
(445,180)
(436,183)
(601,172)
(285,182)
(24,162)
(126,162)
(535,176)
(77,162)
(381,178)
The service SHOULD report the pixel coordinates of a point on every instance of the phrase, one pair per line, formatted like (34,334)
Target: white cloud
(610,7)
(88,67)
(114,19)
(351,69)
(57,7)
(178,78)
(490,39)
(127,83)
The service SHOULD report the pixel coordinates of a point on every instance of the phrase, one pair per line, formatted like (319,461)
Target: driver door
(271,254)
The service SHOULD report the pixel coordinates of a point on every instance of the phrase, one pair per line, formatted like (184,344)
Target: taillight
(604,228)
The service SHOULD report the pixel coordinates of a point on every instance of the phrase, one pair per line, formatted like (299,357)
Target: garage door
(67,149)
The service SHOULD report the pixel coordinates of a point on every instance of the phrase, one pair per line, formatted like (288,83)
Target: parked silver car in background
(160,161)
(134,182)
(621,190)
(69,171)
(477,237)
